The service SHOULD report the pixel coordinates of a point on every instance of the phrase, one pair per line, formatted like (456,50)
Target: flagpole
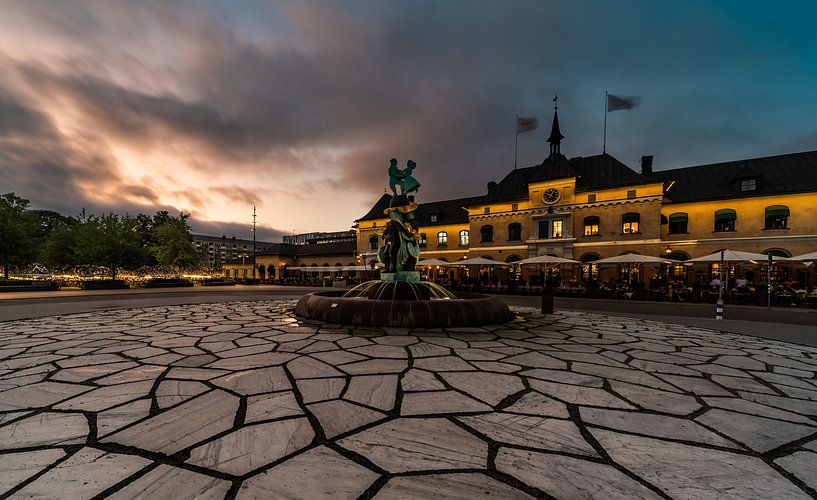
(516,141)
(604,143)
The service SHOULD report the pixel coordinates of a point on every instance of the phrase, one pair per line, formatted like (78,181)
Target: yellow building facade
(589,208)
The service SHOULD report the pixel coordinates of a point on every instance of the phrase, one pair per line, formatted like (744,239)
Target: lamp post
(253,242)
(769,283)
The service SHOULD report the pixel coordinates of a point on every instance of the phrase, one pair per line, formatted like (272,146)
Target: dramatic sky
(296,106)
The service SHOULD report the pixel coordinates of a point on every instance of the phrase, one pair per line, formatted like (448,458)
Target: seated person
(715,283)
(741,284)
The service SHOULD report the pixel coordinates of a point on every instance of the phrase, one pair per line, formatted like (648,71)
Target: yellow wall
(749,234)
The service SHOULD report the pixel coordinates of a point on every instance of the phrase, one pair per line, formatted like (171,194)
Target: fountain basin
(462,310)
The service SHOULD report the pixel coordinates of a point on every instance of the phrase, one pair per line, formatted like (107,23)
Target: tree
(17,231)
(110,240)
(174,246)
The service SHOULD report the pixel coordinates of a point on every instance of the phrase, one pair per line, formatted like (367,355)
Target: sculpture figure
(403,178)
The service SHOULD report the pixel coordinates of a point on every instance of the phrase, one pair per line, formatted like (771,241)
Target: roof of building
(782,174)
(311,249)
(225,239)
(591,172)
(447,211)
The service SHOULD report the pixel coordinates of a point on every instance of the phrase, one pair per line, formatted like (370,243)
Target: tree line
(114,241)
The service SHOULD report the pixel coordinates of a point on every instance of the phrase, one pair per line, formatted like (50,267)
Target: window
(514,207)
(631,193)
(748,184)
(464,237)
(557,228)
(442,238)
(487,234)
(486,210)
(591,198)
(678,223)
(678,271)
(725,220)
(629,223)
(373,242)
(543,229)
(590,271)
(591,226)
(433,217)
(514,231)
(423,241)
(777,217)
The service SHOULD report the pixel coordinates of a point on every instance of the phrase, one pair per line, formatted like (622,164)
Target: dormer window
(747,185)
(433,217)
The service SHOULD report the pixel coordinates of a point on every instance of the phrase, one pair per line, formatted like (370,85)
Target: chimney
(646,165)
(491,186)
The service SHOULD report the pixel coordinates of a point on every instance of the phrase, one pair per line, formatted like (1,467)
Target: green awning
(725,214)
(592,220)
(777,211)
(631,217)
(679,217)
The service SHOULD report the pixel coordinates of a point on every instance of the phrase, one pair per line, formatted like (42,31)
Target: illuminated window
(442,238)
(591,226)
(557,228)
(777,217)
(629,223)
(748,185)
(590,271)
(487,234)
(725,220)
(464,237)
(514,231)
(678,223)
(433,217)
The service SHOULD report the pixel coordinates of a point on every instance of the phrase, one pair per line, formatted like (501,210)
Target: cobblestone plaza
(245,400)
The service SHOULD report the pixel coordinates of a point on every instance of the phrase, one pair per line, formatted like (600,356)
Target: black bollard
(547,300)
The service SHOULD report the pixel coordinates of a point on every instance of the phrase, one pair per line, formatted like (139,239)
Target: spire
(556,136)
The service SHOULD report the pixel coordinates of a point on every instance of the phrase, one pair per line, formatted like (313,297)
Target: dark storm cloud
(331,90)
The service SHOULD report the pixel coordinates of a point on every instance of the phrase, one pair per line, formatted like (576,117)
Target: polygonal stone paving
(245,400)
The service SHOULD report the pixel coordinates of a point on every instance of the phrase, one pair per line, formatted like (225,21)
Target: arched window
(678,223)
(423,242)
(486,234)
(374,242)
(777,217)
(514,231)
(262,271)
(678,271)
(590,271)
(725,220)
(442,238)
(629,223)
(465,238)
(777,252)
(591,225)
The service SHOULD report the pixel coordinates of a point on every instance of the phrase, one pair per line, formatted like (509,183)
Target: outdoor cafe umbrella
(634,258)
(811,256)
(431,262)
(478,261)
(736,257)
(545,260)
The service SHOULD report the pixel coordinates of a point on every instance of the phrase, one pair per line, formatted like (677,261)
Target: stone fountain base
(400,304)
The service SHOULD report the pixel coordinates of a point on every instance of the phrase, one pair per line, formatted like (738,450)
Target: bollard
(547,301)
(719,310)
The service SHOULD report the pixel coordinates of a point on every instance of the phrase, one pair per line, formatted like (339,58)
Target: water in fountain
(434,291)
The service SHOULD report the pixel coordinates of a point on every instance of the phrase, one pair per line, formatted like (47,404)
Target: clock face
(550,196)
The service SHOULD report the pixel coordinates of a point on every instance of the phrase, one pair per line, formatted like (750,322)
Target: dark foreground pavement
(242,400)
